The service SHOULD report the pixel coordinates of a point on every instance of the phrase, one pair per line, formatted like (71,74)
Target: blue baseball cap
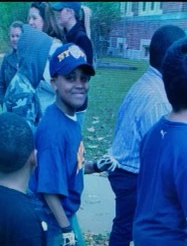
(76,6)
(67,58)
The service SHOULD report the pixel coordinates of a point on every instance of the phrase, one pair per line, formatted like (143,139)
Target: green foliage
(9,12)
(92,239)
(103,13)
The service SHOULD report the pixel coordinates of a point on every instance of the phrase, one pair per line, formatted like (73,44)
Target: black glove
(106,163)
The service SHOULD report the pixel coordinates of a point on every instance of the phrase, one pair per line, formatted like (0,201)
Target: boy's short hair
(67,58)
(16,24)
(175,74)
(161,40)
(16,142)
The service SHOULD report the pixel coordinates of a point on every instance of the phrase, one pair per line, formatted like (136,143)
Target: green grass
(107,90)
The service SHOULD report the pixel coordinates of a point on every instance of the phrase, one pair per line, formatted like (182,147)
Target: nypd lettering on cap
(67,58)
(73,51)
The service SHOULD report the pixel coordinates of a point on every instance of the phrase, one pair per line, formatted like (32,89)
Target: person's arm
(23,100)
(105,164)
(56,208)
(89,167)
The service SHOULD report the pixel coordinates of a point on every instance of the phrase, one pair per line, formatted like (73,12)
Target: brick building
(130,37)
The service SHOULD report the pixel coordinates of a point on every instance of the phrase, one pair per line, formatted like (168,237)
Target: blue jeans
(54,232)
(124,186)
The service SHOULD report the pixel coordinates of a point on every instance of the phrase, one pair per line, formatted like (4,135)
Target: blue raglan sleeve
(52,171)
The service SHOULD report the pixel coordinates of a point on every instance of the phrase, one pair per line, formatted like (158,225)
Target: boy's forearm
(88,167)
(56,208)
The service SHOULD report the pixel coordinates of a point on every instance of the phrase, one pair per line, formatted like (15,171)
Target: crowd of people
(44,84)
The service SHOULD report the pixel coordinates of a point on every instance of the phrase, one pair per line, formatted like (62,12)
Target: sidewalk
(97,206)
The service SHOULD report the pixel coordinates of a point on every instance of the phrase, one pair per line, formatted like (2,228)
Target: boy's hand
(68,238)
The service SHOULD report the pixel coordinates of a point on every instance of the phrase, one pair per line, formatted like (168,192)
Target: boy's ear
(32,160)
(53,83)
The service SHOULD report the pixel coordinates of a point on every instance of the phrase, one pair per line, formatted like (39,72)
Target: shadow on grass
(114,65)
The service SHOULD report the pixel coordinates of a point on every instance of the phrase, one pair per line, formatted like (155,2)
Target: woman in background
(41,17)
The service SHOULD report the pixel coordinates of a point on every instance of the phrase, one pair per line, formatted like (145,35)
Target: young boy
(58,180)
(161,211)
(19,223)
(21,95)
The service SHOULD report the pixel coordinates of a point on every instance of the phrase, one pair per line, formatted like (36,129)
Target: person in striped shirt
(143,105)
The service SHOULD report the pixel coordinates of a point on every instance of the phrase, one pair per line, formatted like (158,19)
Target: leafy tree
(103,14)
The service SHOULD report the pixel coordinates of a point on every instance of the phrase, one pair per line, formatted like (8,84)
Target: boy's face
(14,35)
(63,17)
(71,90)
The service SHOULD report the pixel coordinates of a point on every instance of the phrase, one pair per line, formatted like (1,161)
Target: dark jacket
(7,72)
(77,35)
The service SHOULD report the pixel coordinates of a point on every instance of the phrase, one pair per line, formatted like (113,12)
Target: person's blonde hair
(86,15)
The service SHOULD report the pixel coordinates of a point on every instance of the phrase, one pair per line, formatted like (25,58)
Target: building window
(113,41)
(121,48)
(126,9)
(150,8)
(144,7)
(146,51)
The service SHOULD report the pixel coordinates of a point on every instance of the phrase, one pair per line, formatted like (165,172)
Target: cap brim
(57,6)
(89,69)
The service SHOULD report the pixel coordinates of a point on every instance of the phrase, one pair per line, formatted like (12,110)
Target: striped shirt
(144,104)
